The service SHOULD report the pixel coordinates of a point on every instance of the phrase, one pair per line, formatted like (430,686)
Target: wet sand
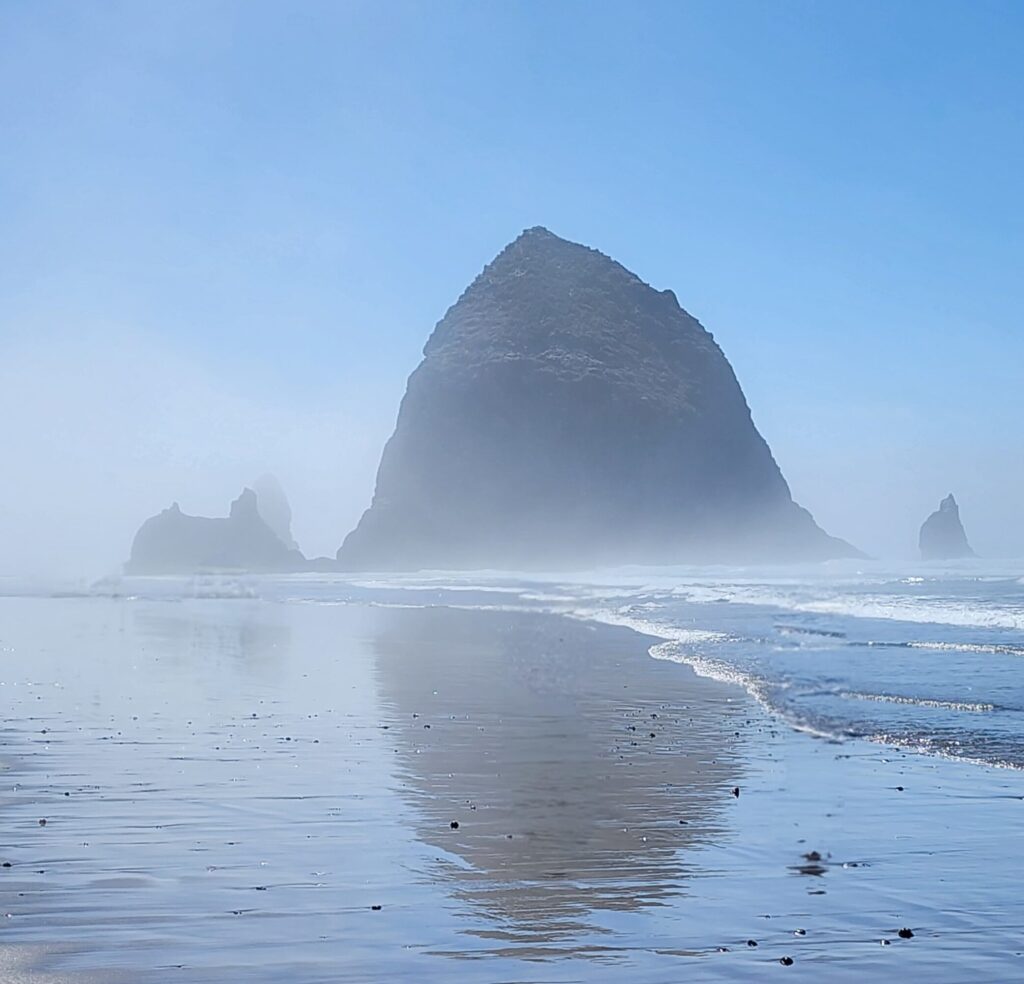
(231,788)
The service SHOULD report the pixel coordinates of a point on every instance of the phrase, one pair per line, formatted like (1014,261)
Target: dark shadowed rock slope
(942,535)
(566,413)
(173,543)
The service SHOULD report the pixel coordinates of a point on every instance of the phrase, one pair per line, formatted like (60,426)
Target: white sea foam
(970,707)
(976,648)
(903,608)
(646,626)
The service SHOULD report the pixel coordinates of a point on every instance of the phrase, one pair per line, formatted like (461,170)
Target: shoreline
(533,732)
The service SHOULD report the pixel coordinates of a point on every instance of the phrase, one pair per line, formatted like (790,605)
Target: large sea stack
(566,413)
(942,535)
(175,543)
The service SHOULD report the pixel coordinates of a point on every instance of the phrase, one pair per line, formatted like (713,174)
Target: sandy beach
(252,790)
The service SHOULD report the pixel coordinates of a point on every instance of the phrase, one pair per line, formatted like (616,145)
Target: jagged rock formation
(942,535)
(566,413)
(274,508)
(173,543)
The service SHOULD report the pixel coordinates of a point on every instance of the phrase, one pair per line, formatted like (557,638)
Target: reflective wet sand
(577,770)
(231,788)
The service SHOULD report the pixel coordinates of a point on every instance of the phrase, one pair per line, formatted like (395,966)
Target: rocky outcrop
(274,508)
(942,535)
(566,413)
(174,543)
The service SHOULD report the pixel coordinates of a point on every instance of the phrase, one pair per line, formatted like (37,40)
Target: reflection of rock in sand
(534,734)
(248,633)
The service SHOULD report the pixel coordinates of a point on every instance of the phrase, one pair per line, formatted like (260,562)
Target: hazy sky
(228,228)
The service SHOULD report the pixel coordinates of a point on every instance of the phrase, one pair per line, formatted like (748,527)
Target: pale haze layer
(230,228)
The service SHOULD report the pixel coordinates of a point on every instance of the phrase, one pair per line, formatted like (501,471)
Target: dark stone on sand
(942,535)
(567,413)
(817,870)
(906,934)
(175,543)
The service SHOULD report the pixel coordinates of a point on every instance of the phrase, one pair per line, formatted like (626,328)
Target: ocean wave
(902,608)
(646,626)
(977,648)
(946,705)
(926,745)
(807,631)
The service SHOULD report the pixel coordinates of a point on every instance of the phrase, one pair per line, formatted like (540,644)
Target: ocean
(923,658)
(428,777)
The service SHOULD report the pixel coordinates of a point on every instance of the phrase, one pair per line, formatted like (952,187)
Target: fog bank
(107,427)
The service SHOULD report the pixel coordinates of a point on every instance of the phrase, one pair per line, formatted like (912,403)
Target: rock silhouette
(174,543)
(274,508)
(942,535)
(566,413)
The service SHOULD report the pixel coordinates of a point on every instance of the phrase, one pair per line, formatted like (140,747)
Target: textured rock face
(566,413)
(942,535)
(173,543)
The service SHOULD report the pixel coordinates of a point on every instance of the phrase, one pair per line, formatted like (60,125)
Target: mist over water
(104,428)
(107,427)
(461,474)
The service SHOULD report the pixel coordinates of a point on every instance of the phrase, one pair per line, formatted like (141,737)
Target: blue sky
(269,206)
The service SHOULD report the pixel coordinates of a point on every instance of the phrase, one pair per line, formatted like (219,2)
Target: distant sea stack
(174,543)
(566,413)
(942,535)
(274,508)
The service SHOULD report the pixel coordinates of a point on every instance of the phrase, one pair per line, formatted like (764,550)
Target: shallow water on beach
(927,658)
(235,772)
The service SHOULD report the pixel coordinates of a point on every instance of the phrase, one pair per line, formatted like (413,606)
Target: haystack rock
(174,543)
(566,413)
(942,535)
